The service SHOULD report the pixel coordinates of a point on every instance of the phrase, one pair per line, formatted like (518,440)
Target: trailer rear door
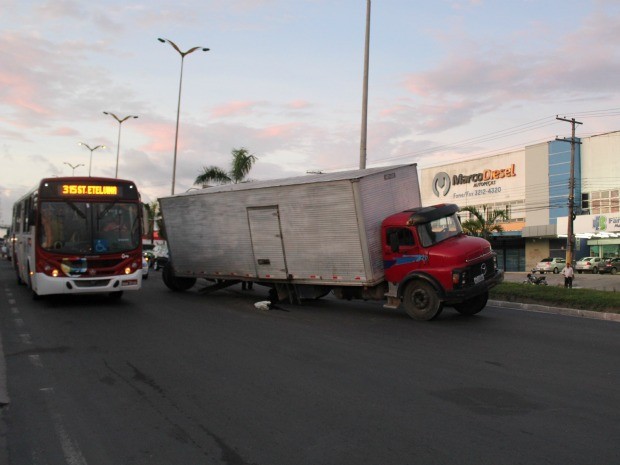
(267,244)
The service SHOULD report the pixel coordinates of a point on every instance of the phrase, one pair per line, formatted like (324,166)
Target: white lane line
(19,322)
(14,310)
(26,338)
(70,448)
(12,301)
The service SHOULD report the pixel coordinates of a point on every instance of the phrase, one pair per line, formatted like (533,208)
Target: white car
(590,264)
(145,268)
(550,265)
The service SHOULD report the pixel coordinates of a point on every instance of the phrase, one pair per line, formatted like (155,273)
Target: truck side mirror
(394,245)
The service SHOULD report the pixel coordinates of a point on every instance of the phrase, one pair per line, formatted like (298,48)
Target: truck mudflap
(466,293)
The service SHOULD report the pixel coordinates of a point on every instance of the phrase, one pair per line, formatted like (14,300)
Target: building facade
(533,186)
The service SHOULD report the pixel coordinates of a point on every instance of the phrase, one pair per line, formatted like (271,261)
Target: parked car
(550,265)
(161,257)
(612,265)
(145,268)
(150,257)
(589,264)
(160,262)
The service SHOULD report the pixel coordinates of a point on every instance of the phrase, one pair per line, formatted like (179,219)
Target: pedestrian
(568,275)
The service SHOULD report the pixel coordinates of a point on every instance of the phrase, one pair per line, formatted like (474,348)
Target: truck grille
(487,268)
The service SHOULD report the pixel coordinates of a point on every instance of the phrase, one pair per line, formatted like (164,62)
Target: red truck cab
(429,262)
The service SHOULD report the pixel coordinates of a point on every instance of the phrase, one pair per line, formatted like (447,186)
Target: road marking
(70,448)
(19,322)
(35,360)
(12,301)
(26,338)
(14,310)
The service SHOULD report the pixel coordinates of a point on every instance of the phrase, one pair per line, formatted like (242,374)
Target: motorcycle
(535,280)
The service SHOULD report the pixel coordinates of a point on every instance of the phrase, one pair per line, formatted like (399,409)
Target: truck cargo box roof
(307,179)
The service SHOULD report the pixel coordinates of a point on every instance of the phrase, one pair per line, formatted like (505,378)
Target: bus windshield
(439,230)
(79,227)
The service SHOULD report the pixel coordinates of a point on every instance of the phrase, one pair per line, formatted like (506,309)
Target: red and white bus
(79,235)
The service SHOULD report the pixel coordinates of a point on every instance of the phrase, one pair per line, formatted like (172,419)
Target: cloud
(470,82)
(65,132)
(298,104)
(239,108)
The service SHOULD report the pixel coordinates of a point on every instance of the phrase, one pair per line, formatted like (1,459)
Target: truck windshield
(87,227)
(439,230)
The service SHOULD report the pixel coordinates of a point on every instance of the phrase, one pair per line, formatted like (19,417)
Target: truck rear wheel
(175,283)
(473,305)
(421,301)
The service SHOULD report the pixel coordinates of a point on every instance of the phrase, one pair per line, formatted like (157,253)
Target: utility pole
(365,91)
(570,239)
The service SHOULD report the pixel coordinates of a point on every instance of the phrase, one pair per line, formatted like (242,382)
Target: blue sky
(449,80)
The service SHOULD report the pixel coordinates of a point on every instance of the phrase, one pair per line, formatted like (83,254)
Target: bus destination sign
(88,189)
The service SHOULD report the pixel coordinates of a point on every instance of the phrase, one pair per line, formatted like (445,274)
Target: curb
(556,310)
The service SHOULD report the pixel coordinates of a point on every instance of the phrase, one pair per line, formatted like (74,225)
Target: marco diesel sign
(484,182)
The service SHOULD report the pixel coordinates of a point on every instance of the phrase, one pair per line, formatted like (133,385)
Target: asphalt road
(167,378)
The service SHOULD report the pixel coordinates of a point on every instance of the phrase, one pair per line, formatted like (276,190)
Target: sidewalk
(601,282)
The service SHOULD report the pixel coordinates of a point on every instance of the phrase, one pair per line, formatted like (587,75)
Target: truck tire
(473,305)
(421,301)
(175,283)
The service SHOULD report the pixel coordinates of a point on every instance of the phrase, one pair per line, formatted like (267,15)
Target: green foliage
(154,216)
(242,163)
(484,222)
(555,296)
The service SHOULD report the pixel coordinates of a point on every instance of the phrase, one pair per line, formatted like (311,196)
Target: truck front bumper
(466,293)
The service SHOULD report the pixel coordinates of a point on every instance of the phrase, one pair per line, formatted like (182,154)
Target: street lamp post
(365,92)
(92,149)
(73,167)
(176,136)
(118,144)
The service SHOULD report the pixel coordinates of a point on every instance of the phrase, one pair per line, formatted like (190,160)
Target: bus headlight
(127,270)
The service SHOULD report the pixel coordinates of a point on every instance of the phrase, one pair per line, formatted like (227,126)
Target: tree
(154,216)
(242,163)
(484,222)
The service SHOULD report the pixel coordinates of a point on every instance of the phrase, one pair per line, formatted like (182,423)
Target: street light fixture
(73,167)
(176,136)
(118,144)
(92,149)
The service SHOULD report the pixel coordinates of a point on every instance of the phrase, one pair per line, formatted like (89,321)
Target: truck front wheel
(473,305)
(421,301)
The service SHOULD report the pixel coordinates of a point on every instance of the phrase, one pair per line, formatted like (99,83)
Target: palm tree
(242,163)
(483,223)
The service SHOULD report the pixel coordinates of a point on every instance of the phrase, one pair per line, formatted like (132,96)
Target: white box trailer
(317,229)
